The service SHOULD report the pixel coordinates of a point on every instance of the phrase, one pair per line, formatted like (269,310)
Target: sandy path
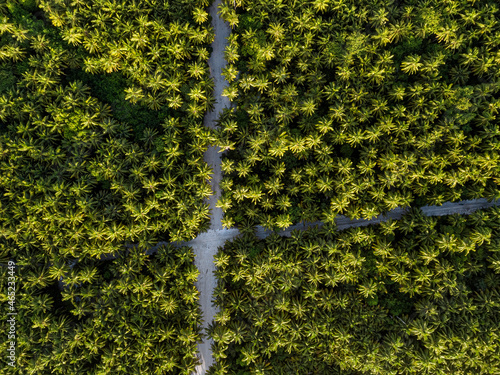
(462,207)
(216,63)
(206,244)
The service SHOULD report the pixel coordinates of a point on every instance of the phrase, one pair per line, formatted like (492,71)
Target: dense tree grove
(162,46)
(420,295)
(93,159)
(74,181)
(357,107)
(350,107)
(136,314)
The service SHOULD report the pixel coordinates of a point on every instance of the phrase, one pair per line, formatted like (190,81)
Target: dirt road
(205,245)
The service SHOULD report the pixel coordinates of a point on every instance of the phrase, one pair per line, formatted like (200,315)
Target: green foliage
(110,89)
(247,21)
(76,180)
(162,53)
(85,173)
(370,105)
(401,297)
(7,79)
(20,9)
(135,314)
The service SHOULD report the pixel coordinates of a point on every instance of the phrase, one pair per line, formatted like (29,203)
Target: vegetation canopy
(101,156)
(357,107)
(136,314)
(420,295)
(79,178)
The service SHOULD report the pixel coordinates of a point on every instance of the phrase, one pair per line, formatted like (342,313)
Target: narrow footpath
(205,250)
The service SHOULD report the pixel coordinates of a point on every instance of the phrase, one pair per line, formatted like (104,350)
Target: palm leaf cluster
(420,295)
(356,107)
(162,46)
(73,180)
(76,185)
(136,314)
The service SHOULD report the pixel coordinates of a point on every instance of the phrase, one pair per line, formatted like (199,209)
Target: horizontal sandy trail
(462,207)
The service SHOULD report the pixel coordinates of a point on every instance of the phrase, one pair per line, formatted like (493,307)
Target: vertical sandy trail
(205,245)
(216,63)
